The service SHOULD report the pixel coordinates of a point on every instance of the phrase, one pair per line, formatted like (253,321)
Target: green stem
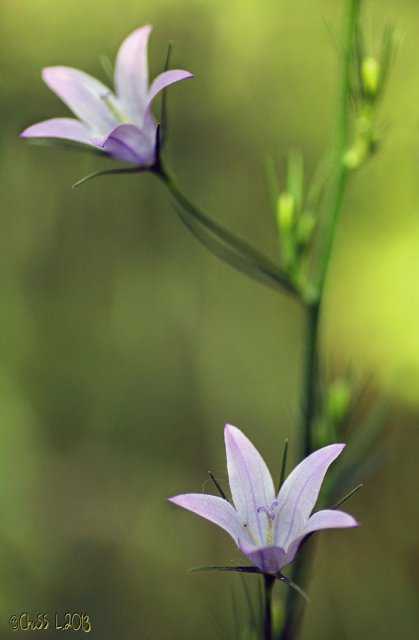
(267,620)
(222,242)
(310,376)
(294,609)
(342,138)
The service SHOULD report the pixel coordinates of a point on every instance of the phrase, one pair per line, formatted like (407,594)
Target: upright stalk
(294,609)
(267,619)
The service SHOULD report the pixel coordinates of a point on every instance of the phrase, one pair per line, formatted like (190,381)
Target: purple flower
(268,528)
(120,124)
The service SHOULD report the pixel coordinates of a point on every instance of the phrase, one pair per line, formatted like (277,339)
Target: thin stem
(310,376)
(342,138)
(294,602)
(294,609)
(267,619)
(221,241)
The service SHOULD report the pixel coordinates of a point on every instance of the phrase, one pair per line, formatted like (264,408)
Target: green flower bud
(357,154)
(286,212)
(370,75)
(338,401)
(305,229)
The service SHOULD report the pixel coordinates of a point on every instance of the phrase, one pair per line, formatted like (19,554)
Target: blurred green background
(125,347)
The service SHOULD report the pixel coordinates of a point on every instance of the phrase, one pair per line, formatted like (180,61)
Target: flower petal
(266,558)
(162,81)
(299,493)
(131,74)
(66,128)
(251,483)
(129,144)
(84,95)
(326,519)
(212,508)
(329,519)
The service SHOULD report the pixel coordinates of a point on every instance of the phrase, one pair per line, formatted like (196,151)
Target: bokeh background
(124,347)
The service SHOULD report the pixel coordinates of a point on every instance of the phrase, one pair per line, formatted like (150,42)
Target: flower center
(109,99)
(269,512)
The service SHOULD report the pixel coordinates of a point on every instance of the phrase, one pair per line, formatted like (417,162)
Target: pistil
(270,514)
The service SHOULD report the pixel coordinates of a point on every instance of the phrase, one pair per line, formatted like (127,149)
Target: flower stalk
(268,582)
(300,568)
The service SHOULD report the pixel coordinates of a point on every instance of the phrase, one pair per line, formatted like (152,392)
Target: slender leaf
(203,230)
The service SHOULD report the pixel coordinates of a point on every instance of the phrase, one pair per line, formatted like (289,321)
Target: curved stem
(294,609)
(221,241)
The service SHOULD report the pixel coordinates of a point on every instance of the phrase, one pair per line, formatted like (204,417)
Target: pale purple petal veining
(251,483)
(326,519)
(269,532)
(65,128)
(213,508)
(329,519)
(131,74)
(299,493)
(86,96)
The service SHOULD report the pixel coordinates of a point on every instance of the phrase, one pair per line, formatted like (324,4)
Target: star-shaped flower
(268,528)
(120,124)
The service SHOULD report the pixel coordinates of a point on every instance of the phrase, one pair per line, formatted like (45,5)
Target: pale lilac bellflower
(268,527)
(118,123)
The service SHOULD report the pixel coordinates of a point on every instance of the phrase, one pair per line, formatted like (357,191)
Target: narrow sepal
(347,496)
(283,464)
(238,569)
(244,569)
(290,583)
(107,172)
(163,116)
(218,486)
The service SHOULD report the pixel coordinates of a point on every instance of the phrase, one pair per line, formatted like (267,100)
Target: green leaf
(213,238)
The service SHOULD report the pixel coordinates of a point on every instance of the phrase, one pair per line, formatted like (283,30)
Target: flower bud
(356,154)
(286,212)
(370,75)
(305,229)
(338,401)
